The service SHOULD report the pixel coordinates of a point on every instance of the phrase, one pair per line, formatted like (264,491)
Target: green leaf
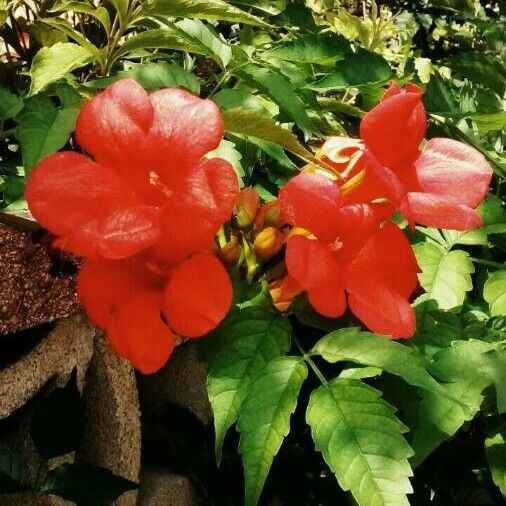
(364,348)
(13,473)
(10,105)
(265,419)
(153,76)
(241,98)
(279,89)
(99,13)
(445,276)
(227,151)
(362,67)
(201,9)
(361,441)
(495,448)
(121,7)
(494,293)
(203,34)
(270,7)
(323,49)
(241,121)
(169,37)
(235,353)
(464,367)
(58,421)
(66,28)
(53,63)
(42,128)
(86,484)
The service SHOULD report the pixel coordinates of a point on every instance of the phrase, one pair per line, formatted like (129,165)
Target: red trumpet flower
(356,258)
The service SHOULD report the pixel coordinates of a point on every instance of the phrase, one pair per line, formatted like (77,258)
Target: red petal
(435,211)
(311,201)
(453,170)
(138,333)
(185,128)
(389,257)
(128,231)
(104,285)
(191,218)
(314,267)
(197,296)
(381,309)
(113,125)
(394,129)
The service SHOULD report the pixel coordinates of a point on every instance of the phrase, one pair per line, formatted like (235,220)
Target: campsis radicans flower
(144,213)
(352,257)
(439,184)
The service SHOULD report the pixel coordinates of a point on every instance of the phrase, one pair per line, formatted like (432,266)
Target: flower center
(156,181)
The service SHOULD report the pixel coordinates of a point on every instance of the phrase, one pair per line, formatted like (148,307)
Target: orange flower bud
(267,243)
(283,291)
(231,251)
(269,215)
(247,207)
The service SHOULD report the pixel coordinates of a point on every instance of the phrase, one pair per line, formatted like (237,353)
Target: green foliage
(236,352)
(362,441)
(265,419)
(494,293)
(495,447)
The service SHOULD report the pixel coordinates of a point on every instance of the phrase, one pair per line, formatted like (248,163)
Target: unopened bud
(230,253)
(247,207)
(268,243)
(269,215)
(283,291)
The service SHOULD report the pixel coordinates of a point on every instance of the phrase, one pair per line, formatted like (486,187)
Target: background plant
(286,75)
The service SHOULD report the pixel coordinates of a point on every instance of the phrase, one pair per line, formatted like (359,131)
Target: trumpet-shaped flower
(354,259)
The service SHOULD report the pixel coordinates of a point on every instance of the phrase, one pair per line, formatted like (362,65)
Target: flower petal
(185,128)
(314,267)
(74,198)
(104,285)
(453,170)
(191,218)
(138,333)
(113,125)
(197,296)
(311,201)
(394,129)
(380,308)
(435,211)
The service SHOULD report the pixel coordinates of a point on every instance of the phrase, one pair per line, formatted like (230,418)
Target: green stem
(489,263)
(307,358)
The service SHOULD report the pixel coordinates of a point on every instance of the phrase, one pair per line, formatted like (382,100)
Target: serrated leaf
(445,276)
(13,473)
(265,419)
(227,151)
(464,369)
(354,345)
(153,76)
(494,292)
(360,68)
(361,441)
(52,63)
(85,484)
(279,89)
(201,9)
(312,48)
(235,353)
(495,449)
(204,35)
(169,37)
(246,122)
(42,128)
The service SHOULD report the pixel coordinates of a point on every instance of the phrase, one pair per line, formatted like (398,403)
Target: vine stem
(488,263)
(307,358)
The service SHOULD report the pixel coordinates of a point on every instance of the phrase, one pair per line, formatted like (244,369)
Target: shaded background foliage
(286,75)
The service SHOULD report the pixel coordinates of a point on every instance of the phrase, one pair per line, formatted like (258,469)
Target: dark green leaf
(495,447)
(10,105)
